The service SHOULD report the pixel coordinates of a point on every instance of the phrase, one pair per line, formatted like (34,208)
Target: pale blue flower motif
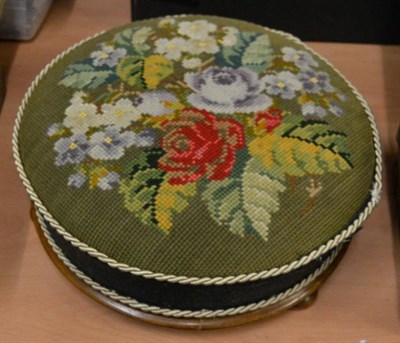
(310,109)
(227,90)
(145,138)
(300,58)
(283,84)
(111,144)
(155,103)
(108,56)
(108,182)
(76,180)
(335,109)
(71,149)
(315,81)
(53,129)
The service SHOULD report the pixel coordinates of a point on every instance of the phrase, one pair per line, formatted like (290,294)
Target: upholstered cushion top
(198,146)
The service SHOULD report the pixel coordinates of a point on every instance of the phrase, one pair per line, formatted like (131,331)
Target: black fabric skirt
(178,296)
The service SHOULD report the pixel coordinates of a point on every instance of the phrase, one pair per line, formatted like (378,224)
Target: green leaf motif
(252,50)
(134,40)
(147,158)
(246,204)
(224,201)
(297,156)
(148,194)
(319,133)
(82,75)
(258,55)
(130,70)
(261,190)
(171,199)
(124,38)
(139,193)
(156,69)
(144,72)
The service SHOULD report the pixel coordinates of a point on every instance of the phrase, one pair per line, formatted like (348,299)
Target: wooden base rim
(301,299)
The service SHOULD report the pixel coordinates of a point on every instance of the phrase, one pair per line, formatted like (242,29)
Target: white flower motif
(230,37)
(166,22)
(197,29)
(230,30)
(121,114)
(155,103)
(80,116)
(108,55)
(191,63)
(229,40)
(199,45)
(171,48)
(77,98)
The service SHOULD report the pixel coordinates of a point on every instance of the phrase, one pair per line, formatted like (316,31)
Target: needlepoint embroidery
(208,111)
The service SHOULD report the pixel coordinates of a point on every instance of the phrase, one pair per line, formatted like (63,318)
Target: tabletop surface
(359,303)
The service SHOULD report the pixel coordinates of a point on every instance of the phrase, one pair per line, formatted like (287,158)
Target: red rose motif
(199,144)
(270,119)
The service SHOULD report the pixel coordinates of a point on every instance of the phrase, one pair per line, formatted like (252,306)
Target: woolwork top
(197,146)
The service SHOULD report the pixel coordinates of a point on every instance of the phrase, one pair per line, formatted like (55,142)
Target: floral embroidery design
(205,110)
(227,90)
(199,144)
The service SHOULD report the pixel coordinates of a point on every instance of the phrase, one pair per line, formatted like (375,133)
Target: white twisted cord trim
(181,313)
(334,242)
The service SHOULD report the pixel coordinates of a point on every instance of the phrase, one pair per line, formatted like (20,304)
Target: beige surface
(37,304)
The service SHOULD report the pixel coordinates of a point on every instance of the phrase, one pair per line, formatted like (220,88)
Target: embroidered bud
(269,119)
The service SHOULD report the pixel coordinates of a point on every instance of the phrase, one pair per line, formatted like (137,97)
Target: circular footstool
(196,171)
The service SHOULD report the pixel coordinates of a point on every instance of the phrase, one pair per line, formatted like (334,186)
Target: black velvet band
(179,296)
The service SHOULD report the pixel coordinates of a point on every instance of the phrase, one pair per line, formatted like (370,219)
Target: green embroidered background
(193,242)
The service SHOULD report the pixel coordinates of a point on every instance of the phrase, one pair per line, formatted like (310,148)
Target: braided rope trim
(219,280)
(175,312)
